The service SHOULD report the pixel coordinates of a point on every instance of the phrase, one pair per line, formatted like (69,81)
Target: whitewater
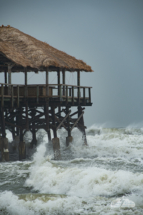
(86,180)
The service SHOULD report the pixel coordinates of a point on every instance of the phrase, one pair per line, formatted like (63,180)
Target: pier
(30,107)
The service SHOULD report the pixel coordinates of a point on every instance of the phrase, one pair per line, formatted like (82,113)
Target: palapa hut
(21,105)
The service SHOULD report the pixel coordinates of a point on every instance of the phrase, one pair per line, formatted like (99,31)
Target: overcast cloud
(106,34)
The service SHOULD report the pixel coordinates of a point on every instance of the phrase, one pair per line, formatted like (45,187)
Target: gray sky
(106,34)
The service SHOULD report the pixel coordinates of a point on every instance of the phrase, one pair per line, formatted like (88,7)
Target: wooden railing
(61,92)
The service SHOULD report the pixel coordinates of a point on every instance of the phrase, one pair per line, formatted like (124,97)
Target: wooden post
(27,120)
(37,93)
(84,95)
(3,123)
(47,82)
(9,78)
(25,71)
(69,138)
(81,125)
(63,72)
(46,110)
(22,147)
(66,94)
(17,122)
(26,90)
(72,95)
(58,74)
(55,140)
(5,74)
(53,120)
(34,141)
(78,84)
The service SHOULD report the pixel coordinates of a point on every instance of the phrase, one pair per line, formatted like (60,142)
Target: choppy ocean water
(85,181)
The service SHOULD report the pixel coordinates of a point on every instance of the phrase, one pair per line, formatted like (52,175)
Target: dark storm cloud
(107,35)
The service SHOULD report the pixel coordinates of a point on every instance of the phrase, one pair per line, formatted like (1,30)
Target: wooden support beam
(5,75)
(63,121)
(46,109)
(27,121)
(84,95)
(53,119)
(72,95)
(68,122)
(63,72)
(47,82)
(25,71)
(78,78)
(77,120)
(12,100)
(78,95)
(2,123)
(18,96)
(78,84)
(57,119)
(13,125)
(58,74)
(37,94)
(76,112)
(66,94)
(9,79)
(81,128)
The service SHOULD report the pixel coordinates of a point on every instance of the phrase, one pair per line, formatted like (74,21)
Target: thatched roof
(26,51)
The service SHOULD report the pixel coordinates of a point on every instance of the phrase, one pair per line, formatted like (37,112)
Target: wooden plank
(13,125)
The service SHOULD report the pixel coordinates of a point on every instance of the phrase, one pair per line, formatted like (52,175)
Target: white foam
(91,181)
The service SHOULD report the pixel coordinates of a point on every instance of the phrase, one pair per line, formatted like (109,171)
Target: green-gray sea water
(85,181)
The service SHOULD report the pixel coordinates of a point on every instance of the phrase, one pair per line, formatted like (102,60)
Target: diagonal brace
(63,121)
(77,121)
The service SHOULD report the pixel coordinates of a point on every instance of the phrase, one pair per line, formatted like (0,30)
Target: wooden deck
(16,95)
